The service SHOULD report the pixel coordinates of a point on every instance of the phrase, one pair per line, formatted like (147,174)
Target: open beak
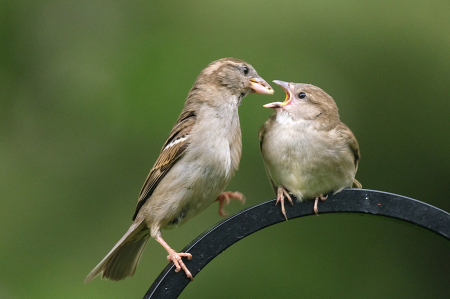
(287,90)
(258,85)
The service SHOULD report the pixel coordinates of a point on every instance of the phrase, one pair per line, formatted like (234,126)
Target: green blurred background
(89,91)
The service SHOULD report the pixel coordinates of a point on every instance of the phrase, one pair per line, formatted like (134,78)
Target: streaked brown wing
(172,150)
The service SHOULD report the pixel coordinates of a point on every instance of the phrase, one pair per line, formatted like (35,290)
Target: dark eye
(245,70)
(302,95)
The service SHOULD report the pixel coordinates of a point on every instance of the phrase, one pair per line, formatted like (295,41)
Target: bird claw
(281,192)
(316,201)
(175,257)
(224,199)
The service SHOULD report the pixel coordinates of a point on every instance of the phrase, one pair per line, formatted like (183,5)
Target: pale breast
(305,161)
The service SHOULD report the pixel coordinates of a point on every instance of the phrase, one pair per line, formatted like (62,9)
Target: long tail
(122,260)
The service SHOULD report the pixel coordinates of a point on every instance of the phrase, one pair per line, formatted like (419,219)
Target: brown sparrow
(307,150)
(196,163)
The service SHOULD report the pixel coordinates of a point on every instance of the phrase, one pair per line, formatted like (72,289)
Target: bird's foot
(281,192)
(316,201)
(175,257)
(224,199)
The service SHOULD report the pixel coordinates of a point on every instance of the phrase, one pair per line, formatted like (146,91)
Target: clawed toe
(224,199)
(178,262)
(175,257)
(281,193)
(316,202)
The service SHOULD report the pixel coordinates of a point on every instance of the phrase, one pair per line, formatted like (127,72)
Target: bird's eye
(302,95)
(245,70)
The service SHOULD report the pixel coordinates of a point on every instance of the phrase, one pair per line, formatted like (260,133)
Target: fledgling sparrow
(196,163)
(307,150)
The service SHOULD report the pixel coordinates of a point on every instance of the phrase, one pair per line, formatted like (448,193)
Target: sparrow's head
(237,76)
(305,101)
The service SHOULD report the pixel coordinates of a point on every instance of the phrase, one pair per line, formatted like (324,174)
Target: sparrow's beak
(287,90)
(260,86)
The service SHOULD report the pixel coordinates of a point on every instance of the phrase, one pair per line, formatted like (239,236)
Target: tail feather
(122,260)
(356,184)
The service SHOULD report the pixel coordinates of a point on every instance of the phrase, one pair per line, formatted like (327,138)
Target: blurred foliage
(89,91)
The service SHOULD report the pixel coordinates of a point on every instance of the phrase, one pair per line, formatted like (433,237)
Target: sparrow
(196,162)
(307,150)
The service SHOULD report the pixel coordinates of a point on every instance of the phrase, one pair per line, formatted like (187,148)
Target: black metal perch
(208,245)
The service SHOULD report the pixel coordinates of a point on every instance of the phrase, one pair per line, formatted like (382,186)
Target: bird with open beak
(196,163)
(307,150)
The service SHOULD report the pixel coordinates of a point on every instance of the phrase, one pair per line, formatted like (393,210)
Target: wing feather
(354,148)
(347,134)
(172,150)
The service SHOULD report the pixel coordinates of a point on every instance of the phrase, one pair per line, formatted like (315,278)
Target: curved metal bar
(208,245)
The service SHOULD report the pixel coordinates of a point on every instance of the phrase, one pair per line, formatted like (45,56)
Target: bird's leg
(281,192)
(224,200)
(316,201)
(175,257)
